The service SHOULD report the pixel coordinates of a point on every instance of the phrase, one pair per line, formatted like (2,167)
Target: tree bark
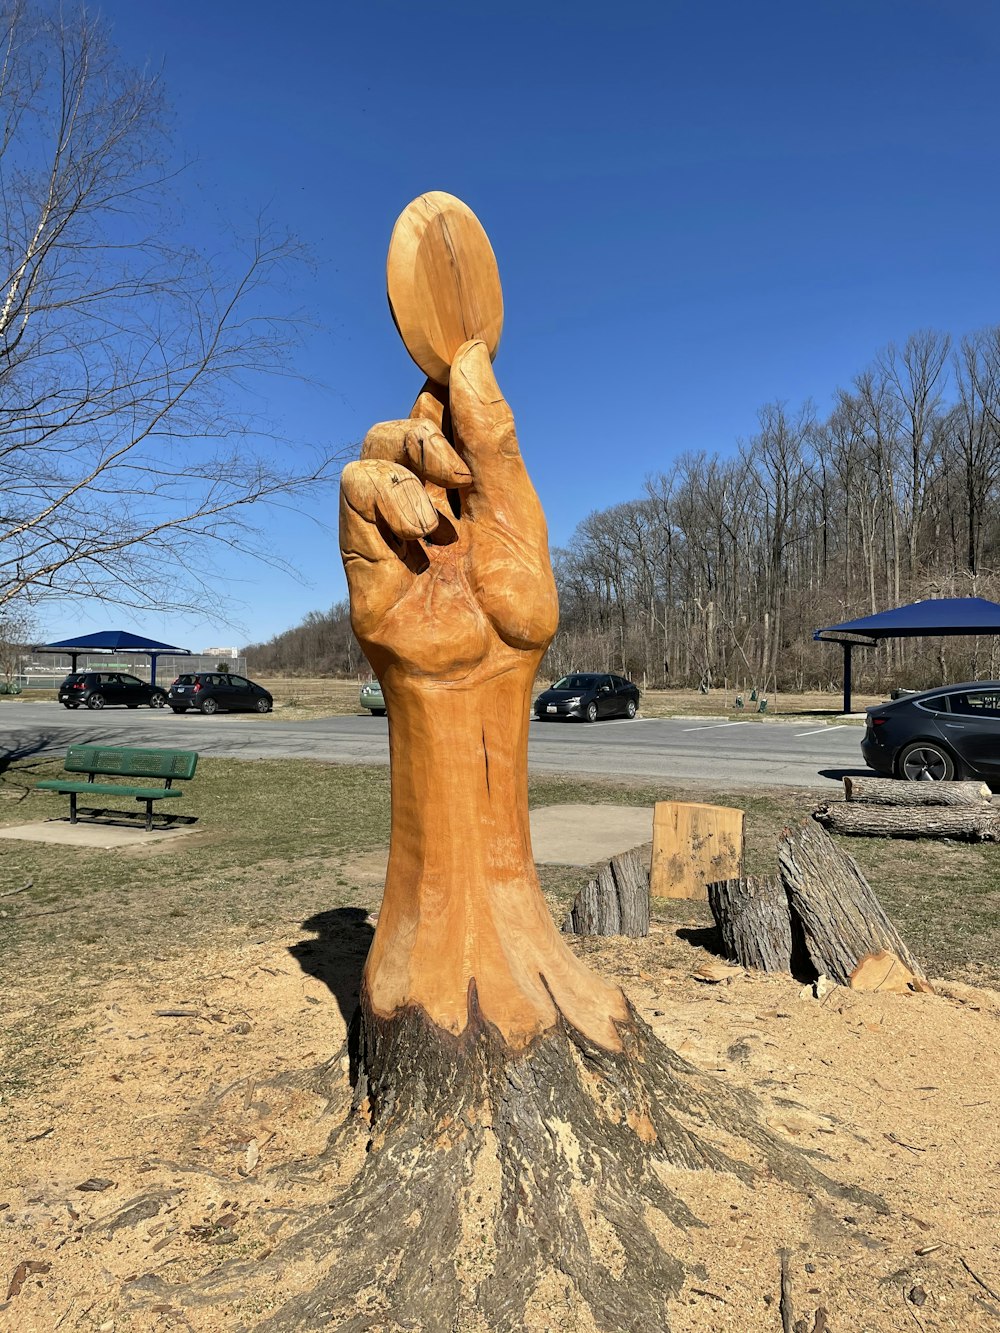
(841,917)
(754,922)
(974,824)
(888,791)
(615,903)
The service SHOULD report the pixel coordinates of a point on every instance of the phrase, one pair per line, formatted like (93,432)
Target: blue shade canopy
(111,641)
(935,616)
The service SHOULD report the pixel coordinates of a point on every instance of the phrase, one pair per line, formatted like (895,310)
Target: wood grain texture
(694,844)
(754,922)
(453,600)
(442,282)
(841,917)
(616,902)
(889,791)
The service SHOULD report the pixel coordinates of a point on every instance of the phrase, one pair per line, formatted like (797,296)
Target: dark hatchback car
(937,735)
(109,689)
(218,691)
(588,695)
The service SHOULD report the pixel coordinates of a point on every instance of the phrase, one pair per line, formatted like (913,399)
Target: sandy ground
(178,1142)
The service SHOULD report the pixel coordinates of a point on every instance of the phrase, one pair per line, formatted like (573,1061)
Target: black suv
(108,689)
(213,691)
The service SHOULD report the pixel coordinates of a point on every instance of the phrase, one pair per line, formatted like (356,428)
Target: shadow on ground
(838,774)
(336,957)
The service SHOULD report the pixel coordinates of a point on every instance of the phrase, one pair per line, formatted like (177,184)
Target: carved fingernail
(478,371)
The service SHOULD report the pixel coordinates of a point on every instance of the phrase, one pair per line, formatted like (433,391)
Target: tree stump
(615,903)
(754,922)
(842,920)
(972,824)
(888,791)
(694,844)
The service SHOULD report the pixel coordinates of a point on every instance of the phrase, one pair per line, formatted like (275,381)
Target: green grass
(275,844)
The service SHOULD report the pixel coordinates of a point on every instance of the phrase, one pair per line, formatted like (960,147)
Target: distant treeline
(726,563)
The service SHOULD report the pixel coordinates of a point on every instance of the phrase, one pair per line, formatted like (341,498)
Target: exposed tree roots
(488,1170)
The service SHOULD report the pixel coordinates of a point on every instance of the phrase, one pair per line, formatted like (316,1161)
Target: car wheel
(158,701)
(263,706)
(377,712)
(96,701)
(923,761)
(591,713)
(630,708)
(210,706)
(69,705)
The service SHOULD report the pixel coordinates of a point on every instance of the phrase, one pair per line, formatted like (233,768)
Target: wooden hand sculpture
(453,600)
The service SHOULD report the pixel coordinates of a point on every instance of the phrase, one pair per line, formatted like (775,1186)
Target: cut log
(842,920)
(971,823)
(883,971)
(889,791)
(615,903)
(693,845)
(754,923)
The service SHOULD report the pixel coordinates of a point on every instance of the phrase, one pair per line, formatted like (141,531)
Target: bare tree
(126,358)
(17,629)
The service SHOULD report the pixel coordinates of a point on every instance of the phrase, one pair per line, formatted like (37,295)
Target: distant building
(220,652)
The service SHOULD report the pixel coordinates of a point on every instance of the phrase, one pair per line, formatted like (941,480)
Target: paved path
(723,754)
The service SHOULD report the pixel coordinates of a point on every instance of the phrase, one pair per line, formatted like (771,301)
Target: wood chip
(711,972)
(176,1013)
(22,1272)
(95,1184)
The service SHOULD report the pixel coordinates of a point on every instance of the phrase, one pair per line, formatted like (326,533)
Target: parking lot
(799,753)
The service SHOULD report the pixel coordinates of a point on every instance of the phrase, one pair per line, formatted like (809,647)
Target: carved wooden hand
(439,593)
(453,600)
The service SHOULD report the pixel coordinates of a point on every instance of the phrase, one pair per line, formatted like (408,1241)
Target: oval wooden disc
(443,282)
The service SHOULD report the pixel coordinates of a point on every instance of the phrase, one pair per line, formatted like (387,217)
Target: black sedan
(588,695)
(215,691)
(109,689)
(937,735)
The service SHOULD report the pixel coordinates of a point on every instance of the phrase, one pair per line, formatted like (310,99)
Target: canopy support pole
(847,647)
(152,668)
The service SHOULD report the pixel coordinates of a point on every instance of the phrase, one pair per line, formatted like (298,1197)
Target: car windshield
(574,683)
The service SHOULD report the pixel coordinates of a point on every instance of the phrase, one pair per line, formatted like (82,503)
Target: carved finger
(376,486)
(419,445)
(383,508)
(484,434)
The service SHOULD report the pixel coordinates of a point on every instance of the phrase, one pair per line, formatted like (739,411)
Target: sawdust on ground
(179,1141)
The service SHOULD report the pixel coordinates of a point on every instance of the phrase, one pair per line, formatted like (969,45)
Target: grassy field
(280,840)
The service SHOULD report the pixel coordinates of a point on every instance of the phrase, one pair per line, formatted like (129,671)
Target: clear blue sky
(697,208)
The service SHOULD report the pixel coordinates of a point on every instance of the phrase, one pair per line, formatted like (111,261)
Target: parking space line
(819,729)
(714,726)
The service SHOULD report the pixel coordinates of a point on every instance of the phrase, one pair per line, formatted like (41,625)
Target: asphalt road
(724,754)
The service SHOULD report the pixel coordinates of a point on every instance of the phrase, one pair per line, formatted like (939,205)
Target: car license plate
(552,709)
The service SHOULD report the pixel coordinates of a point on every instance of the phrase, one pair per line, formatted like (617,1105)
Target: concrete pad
(92,833)
(579,835)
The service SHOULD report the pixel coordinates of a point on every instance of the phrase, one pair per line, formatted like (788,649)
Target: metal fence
(46,672)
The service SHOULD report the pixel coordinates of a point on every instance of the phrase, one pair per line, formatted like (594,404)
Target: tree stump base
(525,1150)
(615,903)
(754,922)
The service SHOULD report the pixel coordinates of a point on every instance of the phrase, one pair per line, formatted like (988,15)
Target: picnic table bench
(122,762)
